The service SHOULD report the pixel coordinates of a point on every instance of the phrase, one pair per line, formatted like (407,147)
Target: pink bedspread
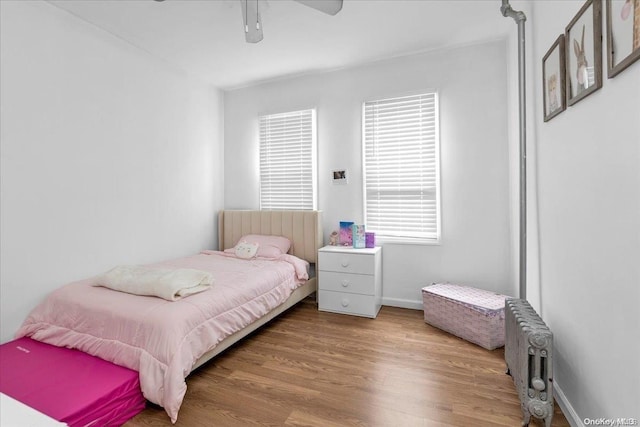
(158,338)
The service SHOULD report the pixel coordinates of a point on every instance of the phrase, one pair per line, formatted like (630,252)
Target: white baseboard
(570,414)
(403,303)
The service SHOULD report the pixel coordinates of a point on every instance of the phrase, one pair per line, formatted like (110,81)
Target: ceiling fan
(253,23)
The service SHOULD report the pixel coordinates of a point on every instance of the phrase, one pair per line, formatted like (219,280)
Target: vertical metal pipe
(520,18)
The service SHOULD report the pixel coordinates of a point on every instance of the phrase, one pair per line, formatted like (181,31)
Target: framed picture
(623,34)
(583,39)
(553,80)
(346,233)
(340,176)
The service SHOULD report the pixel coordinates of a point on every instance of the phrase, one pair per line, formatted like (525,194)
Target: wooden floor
(309,368)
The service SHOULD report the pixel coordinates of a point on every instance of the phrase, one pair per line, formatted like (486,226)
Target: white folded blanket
(171,285)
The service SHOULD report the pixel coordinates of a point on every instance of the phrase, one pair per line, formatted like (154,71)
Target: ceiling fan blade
(251,20)
(330,7)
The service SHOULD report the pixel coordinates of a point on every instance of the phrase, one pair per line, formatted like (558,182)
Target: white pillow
(246,250)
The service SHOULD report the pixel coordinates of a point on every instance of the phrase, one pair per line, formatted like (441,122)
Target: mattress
(475,315)
(68,385)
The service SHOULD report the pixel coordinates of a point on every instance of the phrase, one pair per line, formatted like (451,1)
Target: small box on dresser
(350,280)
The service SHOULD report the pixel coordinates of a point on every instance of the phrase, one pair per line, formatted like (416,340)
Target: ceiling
(205,38)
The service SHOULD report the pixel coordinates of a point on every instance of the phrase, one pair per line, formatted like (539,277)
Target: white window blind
(401,167)
(288,160)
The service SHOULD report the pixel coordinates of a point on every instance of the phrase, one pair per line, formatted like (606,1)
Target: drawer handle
(345,263)
(345,283)
(345,302)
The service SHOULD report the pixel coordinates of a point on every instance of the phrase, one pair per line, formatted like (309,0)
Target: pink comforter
(158,338)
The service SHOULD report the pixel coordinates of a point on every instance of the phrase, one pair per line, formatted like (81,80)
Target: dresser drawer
(345,282)
(346,262)
(342,302)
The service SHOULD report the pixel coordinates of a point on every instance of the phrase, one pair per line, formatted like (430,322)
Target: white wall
(472,85)
(589,201)
(108,156)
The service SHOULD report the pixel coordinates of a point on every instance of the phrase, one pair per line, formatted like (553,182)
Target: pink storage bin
(473,314)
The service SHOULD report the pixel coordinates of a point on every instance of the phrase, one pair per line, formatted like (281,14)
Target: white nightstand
(350,280)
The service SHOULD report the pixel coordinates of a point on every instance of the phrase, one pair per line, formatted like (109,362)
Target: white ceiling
(205,38)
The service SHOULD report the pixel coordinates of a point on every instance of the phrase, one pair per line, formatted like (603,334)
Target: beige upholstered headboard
(303,228)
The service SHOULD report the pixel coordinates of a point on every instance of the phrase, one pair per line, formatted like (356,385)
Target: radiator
(528,353)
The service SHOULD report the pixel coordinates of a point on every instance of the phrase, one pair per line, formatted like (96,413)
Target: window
(288,160)
(401,167)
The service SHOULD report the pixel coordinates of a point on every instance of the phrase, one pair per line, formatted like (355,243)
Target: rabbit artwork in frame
(583,77)
(584,52)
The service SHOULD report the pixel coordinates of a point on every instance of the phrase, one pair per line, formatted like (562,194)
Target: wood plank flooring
(310,368)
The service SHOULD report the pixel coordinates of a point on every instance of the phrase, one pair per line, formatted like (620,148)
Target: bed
(164,341)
